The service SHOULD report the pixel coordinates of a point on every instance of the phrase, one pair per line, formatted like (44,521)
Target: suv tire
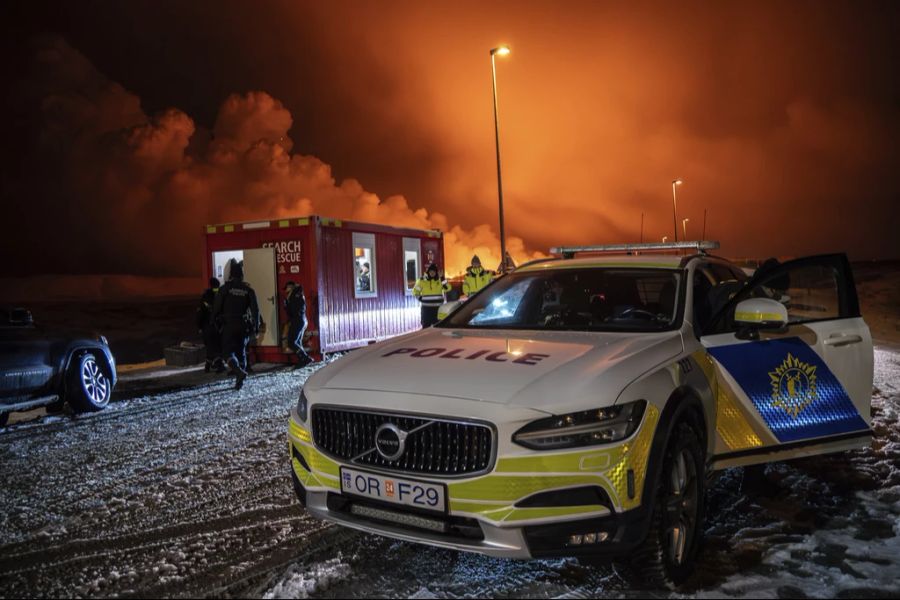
(88,388)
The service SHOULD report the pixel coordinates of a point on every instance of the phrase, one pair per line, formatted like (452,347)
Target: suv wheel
(666,558)
(88,388)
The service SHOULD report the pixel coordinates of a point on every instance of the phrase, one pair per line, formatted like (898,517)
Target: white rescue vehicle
(577,406)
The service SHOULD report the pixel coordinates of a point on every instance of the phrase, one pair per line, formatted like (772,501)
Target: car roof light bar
(700,246)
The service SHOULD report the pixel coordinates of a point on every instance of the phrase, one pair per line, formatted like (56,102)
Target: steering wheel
(636,312)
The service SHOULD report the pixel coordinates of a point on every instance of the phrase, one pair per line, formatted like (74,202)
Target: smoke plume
(138,189)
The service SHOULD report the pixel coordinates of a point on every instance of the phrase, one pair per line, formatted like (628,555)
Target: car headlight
(585,428)
(302,406)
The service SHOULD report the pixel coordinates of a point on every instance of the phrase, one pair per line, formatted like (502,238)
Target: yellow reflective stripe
(228,228)
(299,432)
(511,488)
(284,223)
(318,462)
(757,317)
(210,229)
(707,366)
(303,221)
(570,462)
(731,422)
(636,453)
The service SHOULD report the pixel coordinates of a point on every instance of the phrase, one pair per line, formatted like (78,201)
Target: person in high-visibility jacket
(430,290)
(476,277)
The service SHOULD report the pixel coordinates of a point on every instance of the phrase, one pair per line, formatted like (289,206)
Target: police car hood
(550,371)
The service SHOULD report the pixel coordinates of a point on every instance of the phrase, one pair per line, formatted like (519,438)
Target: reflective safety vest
(430,291)
(476,279)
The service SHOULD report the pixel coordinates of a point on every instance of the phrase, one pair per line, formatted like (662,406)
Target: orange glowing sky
(782,119)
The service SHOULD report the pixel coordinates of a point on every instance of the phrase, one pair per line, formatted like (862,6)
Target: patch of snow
(301,582)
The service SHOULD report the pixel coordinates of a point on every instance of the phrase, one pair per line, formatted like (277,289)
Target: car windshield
(586,299)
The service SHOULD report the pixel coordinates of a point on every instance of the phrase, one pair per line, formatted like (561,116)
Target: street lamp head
(685,220)
(501,50)
(677,181)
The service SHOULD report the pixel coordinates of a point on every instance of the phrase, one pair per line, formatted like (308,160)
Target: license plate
(395,490)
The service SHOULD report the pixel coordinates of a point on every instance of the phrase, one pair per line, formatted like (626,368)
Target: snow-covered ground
(188,493)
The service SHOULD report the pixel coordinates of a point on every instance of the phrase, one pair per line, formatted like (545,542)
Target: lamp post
(675,182)
(502,51)
(665,237)
(684,227)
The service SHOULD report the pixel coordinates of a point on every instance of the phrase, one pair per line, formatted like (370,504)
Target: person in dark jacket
(295,304)
(208,329)
(238,311)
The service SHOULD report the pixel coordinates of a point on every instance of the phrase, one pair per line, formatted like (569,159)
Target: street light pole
(675,182)
(502,51)
(684,227)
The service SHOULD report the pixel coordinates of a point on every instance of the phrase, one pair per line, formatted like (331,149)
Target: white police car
(576,406)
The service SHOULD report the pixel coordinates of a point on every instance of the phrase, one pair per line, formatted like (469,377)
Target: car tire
(88,388)
(666,557)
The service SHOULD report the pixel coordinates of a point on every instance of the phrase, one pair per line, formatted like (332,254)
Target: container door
(259,272)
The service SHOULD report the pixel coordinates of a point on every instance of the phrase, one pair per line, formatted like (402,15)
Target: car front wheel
(88,389)
(667,556)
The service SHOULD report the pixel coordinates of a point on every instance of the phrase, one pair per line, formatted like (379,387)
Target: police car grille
(443,447)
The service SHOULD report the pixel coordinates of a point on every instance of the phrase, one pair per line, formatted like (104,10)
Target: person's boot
(302,361)
(239,382)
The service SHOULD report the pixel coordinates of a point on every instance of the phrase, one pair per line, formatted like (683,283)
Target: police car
(577,406)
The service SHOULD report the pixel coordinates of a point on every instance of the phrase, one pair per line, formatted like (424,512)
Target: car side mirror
(756,314)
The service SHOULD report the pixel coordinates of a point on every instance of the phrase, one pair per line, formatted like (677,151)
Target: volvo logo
(390,441)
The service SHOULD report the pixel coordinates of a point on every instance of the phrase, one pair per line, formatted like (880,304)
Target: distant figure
(295,303)
(476,277)
(430,290)
(208,328)
(363,282)
(238,311)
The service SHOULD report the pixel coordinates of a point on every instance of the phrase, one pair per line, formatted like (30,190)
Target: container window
(412,262)
(364,279)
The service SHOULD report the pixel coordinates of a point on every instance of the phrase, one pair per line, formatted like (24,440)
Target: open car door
(794,363)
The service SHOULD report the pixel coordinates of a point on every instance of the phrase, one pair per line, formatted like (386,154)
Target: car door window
(811,289)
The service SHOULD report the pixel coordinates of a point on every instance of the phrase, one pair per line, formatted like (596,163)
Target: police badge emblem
(793,385)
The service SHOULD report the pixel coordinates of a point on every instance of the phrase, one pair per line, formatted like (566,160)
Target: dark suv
(42,368)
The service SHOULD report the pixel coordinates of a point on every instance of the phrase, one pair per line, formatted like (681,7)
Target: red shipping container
(357,277)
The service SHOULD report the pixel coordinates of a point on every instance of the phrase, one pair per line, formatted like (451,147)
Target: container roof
(304,221)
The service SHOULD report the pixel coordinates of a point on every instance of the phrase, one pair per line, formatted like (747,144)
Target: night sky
(129,125)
